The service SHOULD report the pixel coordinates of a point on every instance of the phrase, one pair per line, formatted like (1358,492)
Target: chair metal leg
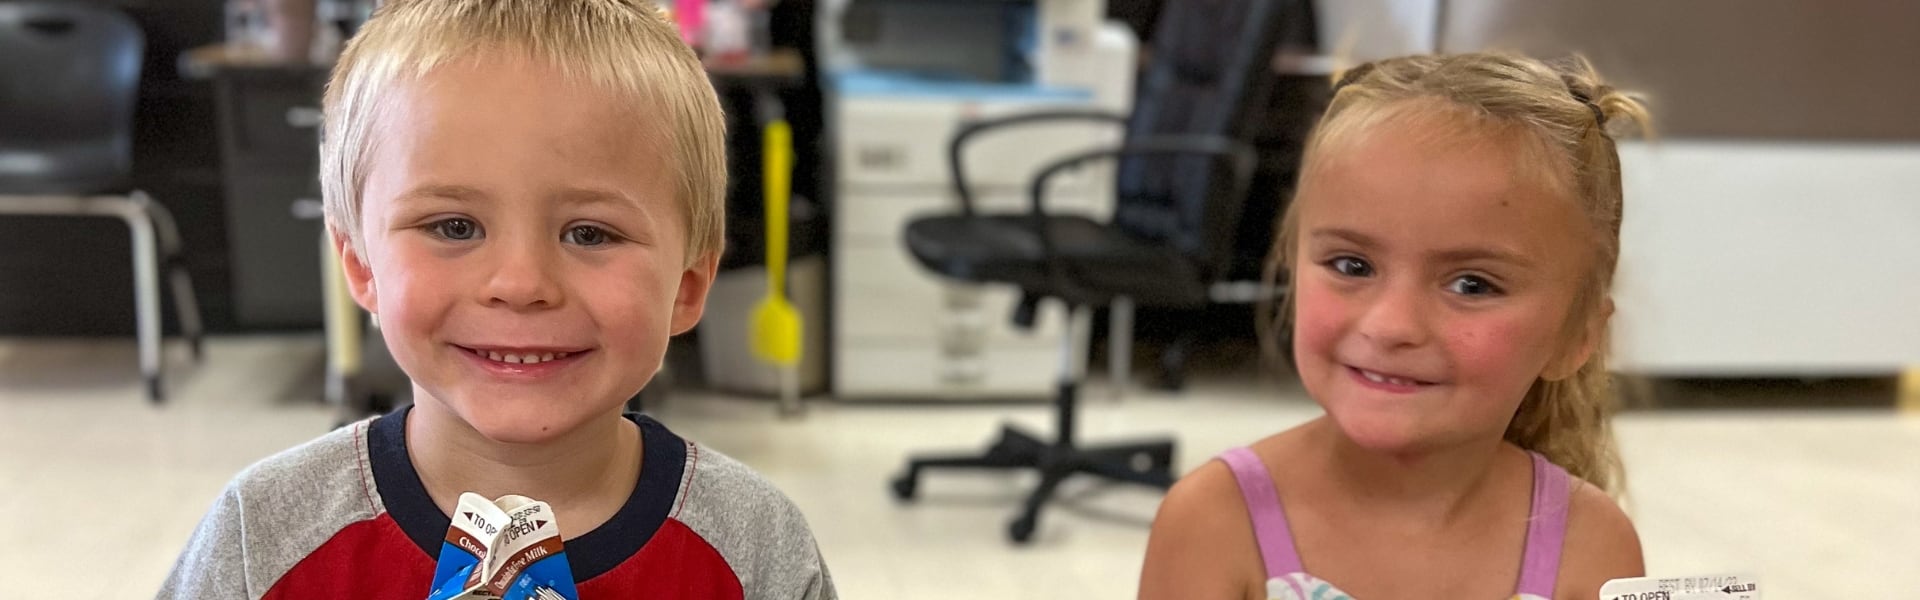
(146,292)
(1120,345)
(188,309)
(185,305)
(1173,361)
(1073,370)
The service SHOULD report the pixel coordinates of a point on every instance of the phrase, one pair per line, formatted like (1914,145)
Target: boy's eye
(586,235)
(456,229)
(1472,285)
(1350,266)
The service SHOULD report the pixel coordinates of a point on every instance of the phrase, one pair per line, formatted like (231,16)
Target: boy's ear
(691,301)
(1577,354)
(355,270)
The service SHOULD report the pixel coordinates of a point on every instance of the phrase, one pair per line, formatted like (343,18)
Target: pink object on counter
(691,14)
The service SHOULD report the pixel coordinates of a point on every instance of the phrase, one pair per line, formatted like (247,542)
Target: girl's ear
(1577,353)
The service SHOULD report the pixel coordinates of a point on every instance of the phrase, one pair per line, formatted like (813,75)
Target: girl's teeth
(494,356)
(1378,378)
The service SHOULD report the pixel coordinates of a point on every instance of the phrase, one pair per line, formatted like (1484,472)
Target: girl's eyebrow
(1346,235)
(1481,253)
(1488,253)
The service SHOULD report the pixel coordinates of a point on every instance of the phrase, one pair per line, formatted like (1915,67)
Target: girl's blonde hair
(1561,111)
(623,47)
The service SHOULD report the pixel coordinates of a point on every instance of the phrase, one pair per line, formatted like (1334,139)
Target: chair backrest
(69,80)
(1208,69)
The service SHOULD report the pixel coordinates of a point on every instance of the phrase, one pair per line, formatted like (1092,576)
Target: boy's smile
(524,247)
(523,363)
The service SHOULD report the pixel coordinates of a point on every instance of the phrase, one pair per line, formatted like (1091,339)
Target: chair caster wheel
(903,487)
(156,392)
(1021,530)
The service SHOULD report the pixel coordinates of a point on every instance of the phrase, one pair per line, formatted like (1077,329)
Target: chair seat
(63,170)
(1100,260)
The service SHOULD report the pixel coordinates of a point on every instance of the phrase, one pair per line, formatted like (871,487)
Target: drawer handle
(305,117)
(308,209)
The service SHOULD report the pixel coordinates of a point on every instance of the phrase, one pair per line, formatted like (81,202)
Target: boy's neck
(586,475)
(1436,486)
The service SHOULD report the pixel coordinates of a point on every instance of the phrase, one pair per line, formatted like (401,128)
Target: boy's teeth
(522,359)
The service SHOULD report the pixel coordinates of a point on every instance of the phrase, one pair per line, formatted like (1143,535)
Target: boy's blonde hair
(624,47)
(1560,112)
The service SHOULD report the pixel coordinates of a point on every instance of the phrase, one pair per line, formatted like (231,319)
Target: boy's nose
(1396,316)
(523,277)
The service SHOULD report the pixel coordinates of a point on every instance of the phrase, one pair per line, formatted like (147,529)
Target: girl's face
(1433,285)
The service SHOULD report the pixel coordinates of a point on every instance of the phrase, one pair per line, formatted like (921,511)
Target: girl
(1449,252)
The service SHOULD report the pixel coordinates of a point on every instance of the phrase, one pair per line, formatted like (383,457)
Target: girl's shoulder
(1210,496)
(1202,544)
(1601,544)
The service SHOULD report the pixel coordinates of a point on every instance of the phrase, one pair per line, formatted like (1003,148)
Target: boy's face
(524,248)
(1432,288)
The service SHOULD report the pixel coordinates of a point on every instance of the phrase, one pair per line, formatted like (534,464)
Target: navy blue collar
(664,456)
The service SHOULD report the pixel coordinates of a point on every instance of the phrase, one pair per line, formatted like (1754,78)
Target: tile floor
(1819,503)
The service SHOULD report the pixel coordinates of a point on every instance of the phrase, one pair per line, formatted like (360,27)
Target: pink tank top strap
(1269,518)
(1546,528)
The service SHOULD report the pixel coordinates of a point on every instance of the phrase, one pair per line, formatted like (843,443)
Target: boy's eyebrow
(597,196)
(464,193)
(452,192)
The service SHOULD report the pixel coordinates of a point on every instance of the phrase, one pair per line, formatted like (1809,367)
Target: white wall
(1769,259)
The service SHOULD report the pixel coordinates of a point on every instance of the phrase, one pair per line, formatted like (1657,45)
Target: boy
(528,194)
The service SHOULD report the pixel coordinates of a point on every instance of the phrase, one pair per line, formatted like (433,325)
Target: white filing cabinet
(900,332)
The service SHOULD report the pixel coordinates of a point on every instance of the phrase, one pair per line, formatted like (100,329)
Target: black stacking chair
(69,79)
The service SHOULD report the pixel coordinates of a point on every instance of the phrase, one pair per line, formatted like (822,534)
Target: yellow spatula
(776,325)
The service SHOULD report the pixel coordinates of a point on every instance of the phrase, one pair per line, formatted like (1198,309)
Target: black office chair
(69,79)
(1183,174)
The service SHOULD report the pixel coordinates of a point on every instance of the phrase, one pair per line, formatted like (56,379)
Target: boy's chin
(527,422)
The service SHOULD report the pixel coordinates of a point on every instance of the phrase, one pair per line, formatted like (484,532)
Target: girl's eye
(1472,285)
(586,235)
(1350,266)
(456,229)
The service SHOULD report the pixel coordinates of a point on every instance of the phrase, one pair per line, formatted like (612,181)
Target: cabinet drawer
(896,141)
(882,293)
(895,370)
(274,235)
(270,117)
